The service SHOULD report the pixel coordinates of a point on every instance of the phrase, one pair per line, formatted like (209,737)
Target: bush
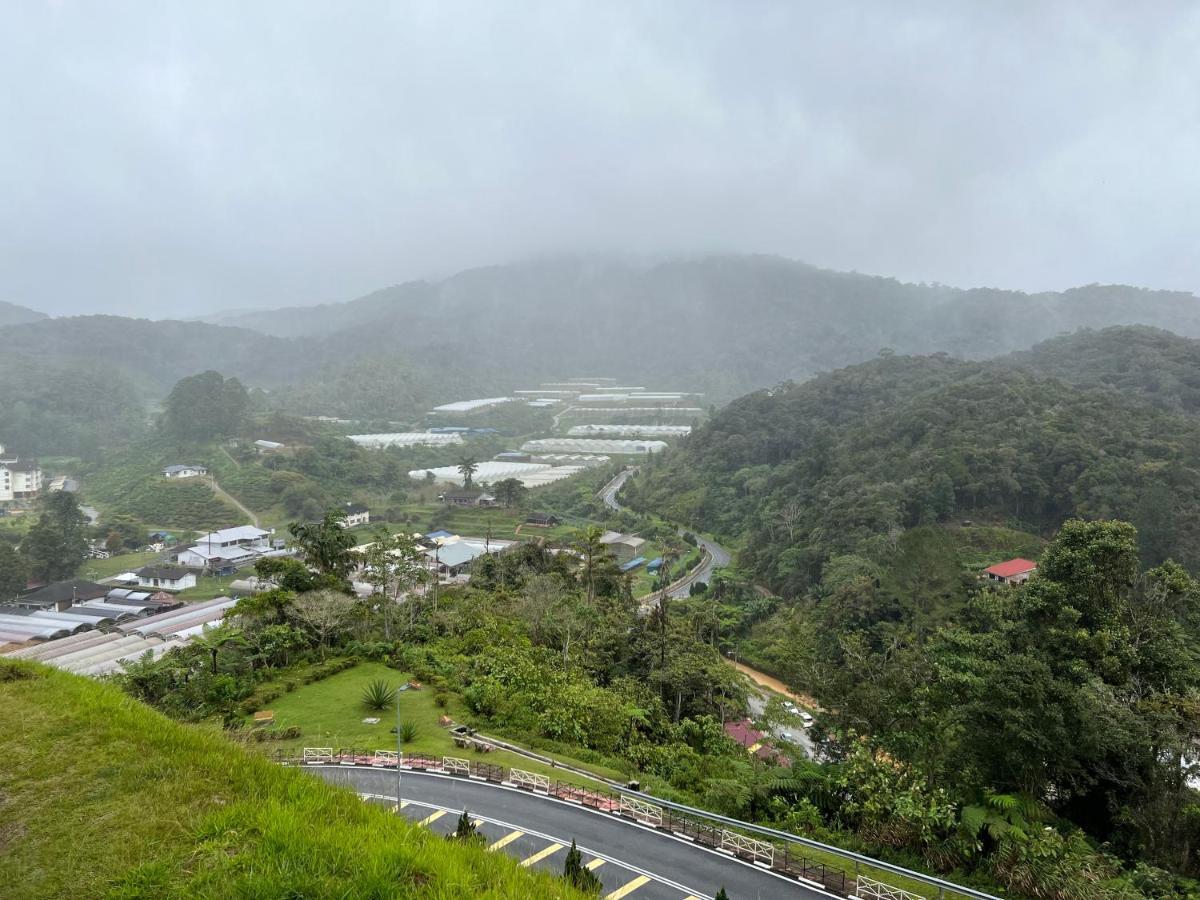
(408,732)
(378,695)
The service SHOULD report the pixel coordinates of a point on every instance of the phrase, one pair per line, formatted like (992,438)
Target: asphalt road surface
(718,556)
(634,861)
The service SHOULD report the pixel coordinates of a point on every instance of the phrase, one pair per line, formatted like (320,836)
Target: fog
(172,159)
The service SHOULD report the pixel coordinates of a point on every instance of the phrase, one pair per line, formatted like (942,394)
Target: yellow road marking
(541,854)
(506,840)
(595,864)
(627,889)
(432,817)
(477,822)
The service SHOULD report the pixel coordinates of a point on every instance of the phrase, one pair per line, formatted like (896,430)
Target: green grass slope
(102,796)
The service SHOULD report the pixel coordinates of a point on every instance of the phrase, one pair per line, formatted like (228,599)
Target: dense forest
(67,408)
(848,461)
(1147,363)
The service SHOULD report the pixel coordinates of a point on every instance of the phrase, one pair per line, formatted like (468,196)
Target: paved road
(718,556)
(609,494)
(650,863)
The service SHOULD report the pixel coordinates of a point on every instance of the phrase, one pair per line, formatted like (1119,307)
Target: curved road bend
(677,868)
(718,557)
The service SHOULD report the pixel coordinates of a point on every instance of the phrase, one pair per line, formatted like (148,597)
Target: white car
(806,718)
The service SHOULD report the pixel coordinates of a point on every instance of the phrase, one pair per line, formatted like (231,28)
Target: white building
(227,547)
(184,470)
(356,515)
(166,578)
(19,479)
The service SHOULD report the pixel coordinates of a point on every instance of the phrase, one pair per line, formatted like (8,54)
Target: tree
(205,406)
(326,545)
(14,572)
(510,491)
(325,614)
(577,874)
(55,546)
(467,467)
(392,564)
(721,895)
(597,561)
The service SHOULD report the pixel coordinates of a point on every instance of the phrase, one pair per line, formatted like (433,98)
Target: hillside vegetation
(67,408)
(722,325)
(1146,363)
(848,461)
(11,314)
(102,796)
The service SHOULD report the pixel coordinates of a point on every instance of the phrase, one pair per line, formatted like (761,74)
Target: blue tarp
(442,533)
(633,564)
(654,565)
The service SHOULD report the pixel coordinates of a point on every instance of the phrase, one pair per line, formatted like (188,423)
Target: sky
(175,158)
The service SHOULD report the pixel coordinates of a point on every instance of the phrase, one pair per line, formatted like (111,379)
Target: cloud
(175,158)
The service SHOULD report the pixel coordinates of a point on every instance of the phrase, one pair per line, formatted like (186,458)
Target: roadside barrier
(779,852)
(531,780)
(869,889)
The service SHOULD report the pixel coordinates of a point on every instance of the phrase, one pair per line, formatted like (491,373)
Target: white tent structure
(529,474)
(658,431)
(406,439)
(612,447)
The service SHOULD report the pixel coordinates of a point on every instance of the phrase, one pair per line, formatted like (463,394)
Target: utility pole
(400,750)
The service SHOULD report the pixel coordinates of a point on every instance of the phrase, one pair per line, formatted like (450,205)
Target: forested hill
(846,462)
(722,324)
(1137,361)
(11,314)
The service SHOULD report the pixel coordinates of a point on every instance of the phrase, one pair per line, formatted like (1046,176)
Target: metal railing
(776,850)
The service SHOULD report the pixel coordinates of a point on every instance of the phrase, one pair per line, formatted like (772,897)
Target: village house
(1014,571)
(467,497)
(184,470)
(225,550)
(356,515)
(166,578)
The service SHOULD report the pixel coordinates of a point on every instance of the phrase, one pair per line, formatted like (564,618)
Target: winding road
(716,556)
(632,860)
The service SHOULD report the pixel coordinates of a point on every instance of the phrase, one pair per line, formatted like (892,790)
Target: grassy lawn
(141,806)
(99,569)
(330,713)
(208,588)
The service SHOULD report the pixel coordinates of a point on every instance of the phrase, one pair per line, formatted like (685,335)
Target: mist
(174,159)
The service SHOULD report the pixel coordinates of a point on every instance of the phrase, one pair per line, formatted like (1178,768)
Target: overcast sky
(160,158)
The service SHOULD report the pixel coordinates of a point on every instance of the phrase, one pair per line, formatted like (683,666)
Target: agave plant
(408,732)
(378,694)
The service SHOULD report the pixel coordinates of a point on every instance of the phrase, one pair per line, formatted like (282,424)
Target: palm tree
(326,545)
(214,639)
(467,467)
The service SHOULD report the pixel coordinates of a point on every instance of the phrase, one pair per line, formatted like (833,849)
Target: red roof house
(744,733)
(1014,571)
